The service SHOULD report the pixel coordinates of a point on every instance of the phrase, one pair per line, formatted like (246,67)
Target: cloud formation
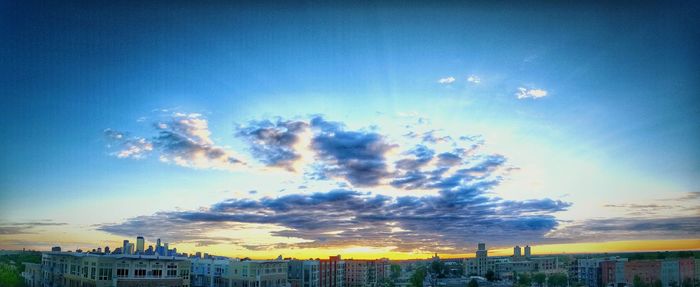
(356,156)
(447,80)
(474,79)
(181,139)
(458,211)
(630,228)
(525,93)
(273,142)
(452,219)
(13,228)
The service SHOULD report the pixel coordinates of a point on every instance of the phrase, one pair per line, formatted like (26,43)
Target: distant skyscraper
(527,251)
(165,250)
(139,244)
(157,243)
(125,247)
(149,251)
(107,249)
(129,248)
(481,251)
(56,249)
(198,254)
(516,251)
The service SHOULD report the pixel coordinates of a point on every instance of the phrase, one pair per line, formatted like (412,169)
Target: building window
(105,274)
(157,273)
(140,273)
(122,272)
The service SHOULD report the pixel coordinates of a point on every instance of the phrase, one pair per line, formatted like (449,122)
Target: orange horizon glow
(545,249)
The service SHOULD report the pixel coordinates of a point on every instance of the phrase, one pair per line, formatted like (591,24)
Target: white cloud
(525,93)
(447,81)
(473,79)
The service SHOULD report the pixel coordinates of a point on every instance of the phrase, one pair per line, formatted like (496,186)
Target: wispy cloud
(14,228)
(447,80)
(474,79)
(525,93)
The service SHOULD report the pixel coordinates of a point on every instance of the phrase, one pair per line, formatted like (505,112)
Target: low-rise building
(303,273)
(257,273)
(32,274)
(64,269)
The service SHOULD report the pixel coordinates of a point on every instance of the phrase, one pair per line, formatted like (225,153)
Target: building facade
(66,269)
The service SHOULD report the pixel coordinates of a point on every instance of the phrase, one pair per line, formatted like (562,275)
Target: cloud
(524,93)
(474,79)
(14,228)
(339,218)
(273,142)
(356,156)
(447,80)
(181,139)
(624,228)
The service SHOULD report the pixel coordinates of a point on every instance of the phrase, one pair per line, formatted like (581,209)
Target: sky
(369,130)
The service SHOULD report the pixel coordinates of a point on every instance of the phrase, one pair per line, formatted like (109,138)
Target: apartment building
(66,269)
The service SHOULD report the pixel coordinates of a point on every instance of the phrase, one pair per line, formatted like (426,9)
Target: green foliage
(11,267)
(418,277)
(657,283)
(437,267)
(557,280)
(395,271)
(539,278)
(473,283)
(524,280)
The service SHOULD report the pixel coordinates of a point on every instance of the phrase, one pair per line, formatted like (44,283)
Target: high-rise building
(56,249)
(140,245)
(125,247)
(332,272)
(516,251)
(107,250)
(527,251)
(481,251)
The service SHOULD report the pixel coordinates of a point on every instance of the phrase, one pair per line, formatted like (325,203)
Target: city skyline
(364,130)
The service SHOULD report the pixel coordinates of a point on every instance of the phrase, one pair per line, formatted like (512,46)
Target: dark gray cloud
(453,219)
(354,155)
(182,139)
(273,142)
(628,228)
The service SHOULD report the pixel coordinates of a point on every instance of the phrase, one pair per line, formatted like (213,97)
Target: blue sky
(621,105)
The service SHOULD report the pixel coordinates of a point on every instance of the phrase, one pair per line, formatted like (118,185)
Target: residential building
(303,273)
(210,272)
(331,272)
(257,273)
(66,269)
(32,274)
(366,273)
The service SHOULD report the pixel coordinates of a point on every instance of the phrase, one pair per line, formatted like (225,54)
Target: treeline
(11,267)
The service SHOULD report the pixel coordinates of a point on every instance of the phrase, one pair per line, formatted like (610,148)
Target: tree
(637,282)
(473,283)
(418,277)
(657,283)
(437,267)
(524,280)
(490,275)
(557,280)
(395,271)
(539,278)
